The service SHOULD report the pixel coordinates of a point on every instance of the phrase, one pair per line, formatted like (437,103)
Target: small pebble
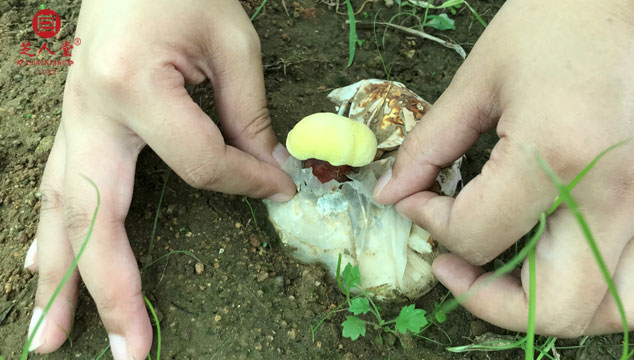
(22,238)
(262,276)
(199,267)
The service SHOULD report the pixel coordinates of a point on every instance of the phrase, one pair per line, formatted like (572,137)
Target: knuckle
(567,161)
(246,42)
(243,43)
(49,279)
(259,123)
(77,217)
(110,66)
(205,175)
(612,322)
(559,318)
(51,198)
(113,302)
(114,75)
(473,257)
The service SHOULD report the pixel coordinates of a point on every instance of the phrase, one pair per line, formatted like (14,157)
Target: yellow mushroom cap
(333,138)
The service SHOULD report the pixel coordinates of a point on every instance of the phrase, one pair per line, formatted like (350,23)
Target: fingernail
(280,197)
(119,347)
(38,339)
(29,259)
(383,180)
(280,154)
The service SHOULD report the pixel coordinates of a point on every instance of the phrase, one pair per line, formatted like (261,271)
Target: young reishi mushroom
(336,140)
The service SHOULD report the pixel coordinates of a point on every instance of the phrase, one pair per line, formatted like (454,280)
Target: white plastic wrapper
(324,220)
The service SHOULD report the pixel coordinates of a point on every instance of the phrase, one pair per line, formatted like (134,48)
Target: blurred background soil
(246,299)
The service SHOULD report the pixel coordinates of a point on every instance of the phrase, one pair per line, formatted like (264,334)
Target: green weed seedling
(440,22)
(353,39)
(410,320)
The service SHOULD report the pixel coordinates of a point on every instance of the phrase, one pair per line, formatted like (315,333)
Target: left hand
(554,82)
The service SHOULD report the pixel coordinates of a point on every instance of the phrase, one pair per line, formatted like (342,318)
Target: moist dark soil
(248,300)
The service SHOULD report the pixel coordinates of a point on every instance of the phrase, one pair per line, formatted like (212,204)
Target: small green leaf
(440,316)
(359,306)
(440,22)
(351,276)
(410,319)
(353,327)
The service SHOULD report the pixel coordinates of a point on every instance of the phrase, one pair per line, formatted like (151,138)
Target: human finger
(107,264)
(30,259)
(608,318)
(467,109)
(491,212)
(239,95)
(52,255)
(569,285)
(190,143)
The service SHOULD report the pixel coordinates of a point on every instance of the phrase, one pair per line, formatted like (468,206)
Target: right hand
(126,90)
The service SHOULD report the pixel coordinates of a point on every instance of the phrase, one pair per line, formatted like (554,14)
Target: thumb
(465,110)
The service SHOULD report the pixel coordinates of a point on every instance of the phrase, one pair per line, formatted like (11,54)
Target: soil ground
(250,301)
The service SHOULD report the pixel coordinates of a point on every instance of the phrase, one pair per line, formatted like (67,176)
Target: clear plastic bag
(325,220)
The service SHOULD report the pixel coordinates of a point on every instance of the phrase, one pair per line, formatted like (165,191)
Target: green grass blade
(169,254)
(257,11)
(352,37)
(158,328)
(378,48)
(543,351)
(255,220)
(475,13)
(25,349)
(148,259)
(529,353)
(103,352)
(565,195)
(585,170)
(505,269)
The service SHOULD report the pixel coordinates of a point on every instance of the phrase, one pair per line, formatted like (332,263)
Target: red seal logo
(46,23)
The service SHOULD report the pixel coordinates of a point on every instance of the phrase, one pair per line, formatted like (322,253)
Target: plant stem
(530,328)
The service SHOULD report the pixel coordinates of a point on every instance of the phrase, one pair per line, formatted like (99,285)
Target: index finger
(239,94)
